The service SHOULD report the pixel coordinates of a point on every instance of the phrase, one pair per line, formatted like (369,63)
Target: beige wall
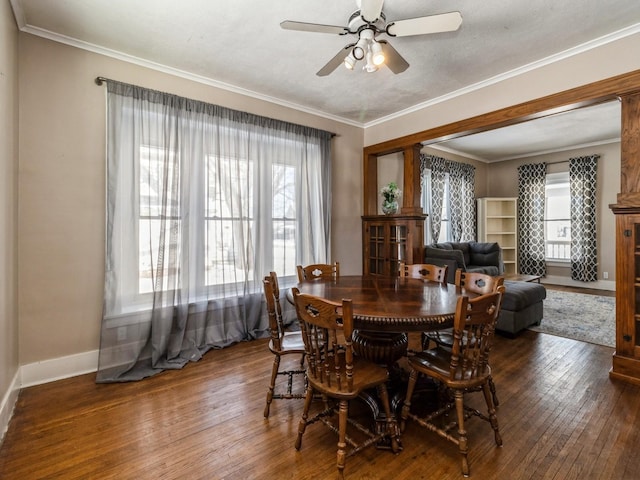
(390,169)
(62,176)
(8,205)
(503,182)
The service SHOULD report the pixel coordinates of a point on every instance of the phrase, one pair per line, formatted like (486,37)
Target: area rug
(589,318)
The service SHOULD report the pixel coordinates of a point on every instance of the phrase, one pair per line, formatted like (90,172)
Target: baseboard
(44,372)
(58,368)
(8,404)
(567,282)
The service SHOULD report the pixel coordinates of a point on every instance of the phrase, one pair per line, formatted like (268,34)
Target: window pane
(284,219)
(149,235)
(229,208)
(558,217)
(159,197)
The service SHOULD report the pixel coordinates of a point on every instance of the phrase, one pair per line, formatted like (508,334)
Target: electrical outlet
(605,275)
(122,333)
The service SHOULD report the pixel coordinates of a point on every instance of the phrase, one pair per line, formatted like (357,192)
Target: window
(445,224)
(557,217)
(229,222)
(202,203)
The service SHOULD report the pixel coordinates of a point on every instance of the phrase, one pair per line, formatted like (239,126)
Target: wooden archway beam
(586,95)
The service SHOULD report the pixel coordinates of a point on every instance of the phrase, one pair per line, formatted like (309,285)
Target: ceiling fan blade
(446,22)
(313,27)
(392,59)
(335,61)
(370,10)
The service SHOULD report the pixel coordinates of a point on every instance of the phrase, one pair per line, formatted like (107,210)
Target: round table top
(390,304)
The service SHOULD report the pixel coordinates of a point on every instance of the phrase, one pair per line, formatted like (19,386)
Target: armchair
(479,257)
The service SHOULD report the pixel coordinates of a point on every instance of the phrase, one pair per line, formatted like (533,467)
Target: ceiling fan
(368,23)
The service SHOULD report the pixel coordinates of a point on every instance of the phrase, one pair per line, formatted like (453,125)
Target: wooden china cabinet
(389,239)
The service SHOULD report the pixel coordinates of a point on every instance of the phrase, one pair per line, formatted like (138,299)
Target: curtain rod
(559,161)
(100,80)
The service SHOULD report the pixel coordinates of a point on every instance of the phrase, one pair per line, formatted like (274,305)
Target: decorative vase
(390,207)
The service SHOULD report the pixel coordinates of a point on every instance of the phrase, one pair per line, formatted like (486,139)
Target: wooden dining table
(386,308)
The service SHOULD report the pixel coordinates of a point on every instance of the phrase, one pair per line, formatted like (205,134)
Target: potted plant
(391,193)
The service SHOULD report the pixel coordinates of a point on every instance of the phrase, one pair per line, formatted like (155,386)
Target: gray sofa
(523,301)
(522,306)
(469,256)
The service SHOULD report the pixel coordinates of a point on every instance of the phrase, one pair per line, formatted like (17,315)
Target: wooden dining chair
(318,270)
(339,376)
(282,343)
(461,370)
(425,271)
(476,282)
(473,282)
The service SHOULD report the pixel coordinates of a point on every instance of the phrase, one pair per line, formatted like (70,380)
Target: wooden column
(370,187)
(630,151)
(626,359)
(411,181)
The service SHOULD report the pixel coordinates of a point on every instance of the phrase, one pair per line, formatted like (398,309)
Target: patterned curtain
(463,205)
(437,165)
(531,195)
(582,187)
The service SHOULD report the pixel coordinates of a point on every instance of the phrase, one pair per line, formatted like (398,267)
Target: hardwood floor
(560,417)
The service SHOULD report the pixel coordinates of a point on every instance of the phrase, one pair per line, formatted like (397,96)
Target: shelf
(497,222)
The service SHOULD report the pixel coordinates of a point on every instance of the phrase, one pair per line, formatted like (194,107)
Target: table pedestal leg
(383,348)
(380,347)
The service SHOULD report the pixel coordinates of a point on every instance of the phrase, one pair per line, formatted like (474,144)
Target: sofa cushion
(519,295)
(466,251)
(486,269)
(457,255)
(443,246)
(484,254)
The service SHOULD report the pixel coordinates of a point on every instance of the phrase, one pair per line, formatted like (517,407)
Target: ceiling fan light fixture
(360,49)
(370,67)
(377,55)
(350,61)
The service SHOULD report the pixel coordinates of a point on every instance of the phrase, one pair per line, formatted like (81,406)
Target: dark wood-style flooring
(560,415)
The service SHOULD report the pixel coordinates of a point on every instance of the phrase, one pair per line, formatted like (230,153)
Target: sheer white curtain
(202,202)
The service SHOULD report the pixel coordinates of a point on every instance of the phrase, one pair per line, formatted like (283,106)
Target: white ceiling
(584,127)
(239,45)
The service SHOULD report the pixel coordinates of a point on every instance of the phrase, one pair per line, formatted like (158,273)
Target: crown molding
(538,153)
(585,47)
(598,42)
(73,42)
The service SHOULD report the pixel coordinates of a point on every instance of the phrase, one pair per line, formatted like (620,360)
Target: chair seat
(369,376)
(291,342)
(436,363)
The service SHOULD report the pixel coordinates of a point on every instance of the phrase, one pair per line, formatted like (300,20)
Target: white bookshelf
(498,222)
